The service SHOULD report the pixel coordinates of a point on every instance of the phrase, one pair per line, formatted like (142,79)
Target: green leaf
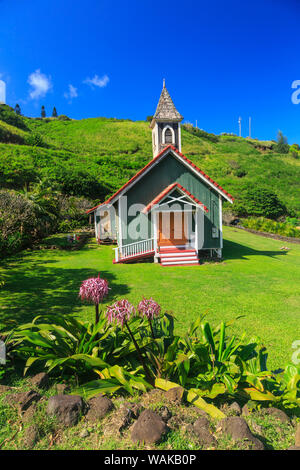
(29,363)
(93,388)
(165,384)
(254,394)
(194,398)
(222,340)
(208,334)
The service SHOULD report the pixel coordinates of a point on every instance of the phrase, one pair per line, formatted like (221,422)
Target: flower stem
(147,372)
(151,327)
(97,314)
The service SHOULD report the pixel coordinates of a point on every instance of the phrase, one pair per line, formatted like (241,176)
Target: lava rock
(40,380)
(202,430)
(239,430)
(245,410)
(99,406)
(31,436)
(84,433)
(28,415)
(61,388)
(279,414)
(23,400)
(234,409)
(257,428)
(149,428)
(66,408)
(175,395)
(165,413)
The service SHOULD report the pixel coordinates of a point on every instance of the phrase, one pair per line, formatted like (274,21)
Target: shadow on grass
(232,250)
(36,286)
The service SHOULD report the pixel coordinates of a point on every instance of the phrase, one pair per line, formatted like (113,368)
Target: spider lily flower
(149,308)
(121,311)
(94,290)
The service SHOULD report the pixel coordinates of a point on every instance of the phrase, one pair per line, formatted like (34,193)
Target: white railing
(134,249)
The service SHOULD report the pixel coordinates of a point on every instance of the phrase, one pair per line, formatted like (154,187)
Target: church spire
(165,123)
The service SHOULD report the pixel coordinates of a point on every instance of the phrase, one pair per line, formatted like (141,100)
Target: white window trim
(164,136)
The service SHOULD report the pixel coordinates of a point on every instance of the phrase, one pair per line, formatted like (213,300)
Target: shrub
(8,115)
(78,182)
(262,224)
(293,221)
(258,202)
(63,117)
(23,219)
(282,145)
(35,140)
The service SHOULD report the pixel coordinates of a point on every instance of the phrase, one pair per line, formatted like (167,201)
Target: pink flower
(149,308)
(94,290)
(120,311)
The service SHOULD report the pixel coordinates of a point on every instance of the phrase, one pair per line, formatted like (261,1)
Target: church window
(168,136)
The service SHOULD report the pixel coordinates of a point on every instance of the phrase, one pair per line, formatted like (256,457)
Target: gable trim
(161,196)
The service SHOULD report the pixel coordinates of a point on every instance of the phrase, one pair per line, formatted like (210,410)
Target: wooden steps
(178,257)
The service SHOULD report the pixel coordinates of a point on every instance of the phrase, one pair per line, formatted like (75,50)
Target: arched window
(168,136)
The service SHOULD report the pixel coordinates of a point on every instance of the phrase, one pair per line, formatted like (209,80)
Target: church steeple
(165,124)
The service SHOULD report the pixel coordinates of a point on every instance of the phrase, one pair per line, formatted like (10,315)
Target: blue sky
(220,59)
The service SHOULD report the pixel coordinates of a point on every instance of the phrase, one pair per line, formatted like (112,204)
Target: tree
(282,143)
(54,112)
(43,112)
(18,109)
(259,202)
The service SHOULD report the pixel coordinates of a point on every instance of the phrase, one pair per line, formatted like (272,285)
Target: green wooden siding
(166,172)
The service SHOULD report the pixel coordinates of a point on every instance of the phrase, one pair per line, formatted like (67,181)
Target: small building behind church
(170,211)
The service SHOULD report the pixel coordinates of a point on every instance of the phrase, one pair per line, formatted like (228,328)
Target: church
(170,211)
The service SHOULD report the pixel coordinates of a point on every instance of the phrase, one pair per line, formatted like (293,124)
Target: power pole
(250,127)
(240,126)
(196,124)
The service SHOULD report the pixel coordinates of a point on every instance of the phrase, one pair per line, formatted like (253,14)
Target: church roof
(166,110)
(156,159)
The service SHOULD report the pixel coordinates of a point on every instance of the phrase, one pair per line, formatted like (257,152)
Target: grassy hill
(109,151)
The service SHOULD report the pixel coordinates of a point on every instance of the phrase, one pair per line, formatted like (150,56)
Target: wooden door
(171,229)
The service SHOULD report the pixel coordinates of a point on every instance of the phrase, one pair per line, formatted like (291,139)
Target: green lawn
(256,280)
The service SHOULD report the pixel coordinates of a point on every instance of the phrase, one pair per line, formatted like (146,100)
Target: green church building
(170,210)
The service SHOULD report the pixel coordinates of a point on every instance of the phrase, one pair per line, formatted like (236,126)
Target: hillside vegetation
(94,157)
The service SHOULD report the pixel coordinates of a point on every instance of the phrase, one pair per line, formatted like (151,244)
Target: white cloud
(40,84)
(2,92)
(71,93)
(97,81)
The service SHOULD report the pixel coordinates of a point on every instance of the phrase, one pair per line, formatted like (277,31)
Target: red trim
(150,164)
(166,191)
